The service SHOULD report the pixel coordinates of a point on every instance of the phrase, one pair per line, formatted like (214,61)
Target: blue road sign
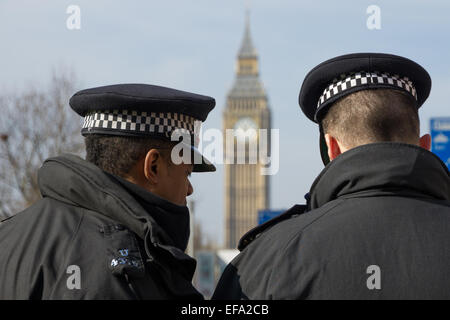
(440,138)
(264,215)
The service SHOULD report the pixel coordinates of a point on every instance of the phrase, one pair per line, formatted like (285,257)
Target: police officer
(377,219)
(116,225)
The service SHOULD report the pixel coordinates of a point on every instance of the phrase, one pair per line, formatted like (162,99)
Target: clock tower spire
(247,62)
(246,190)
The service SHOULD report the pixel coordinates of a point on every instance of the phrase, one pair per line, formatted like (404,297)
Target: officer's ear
(152,163)
(334,149)
(425,142)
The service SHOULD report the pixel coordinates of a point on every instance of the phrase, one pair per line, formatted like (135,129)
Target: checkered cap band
(140,122)
(362,79)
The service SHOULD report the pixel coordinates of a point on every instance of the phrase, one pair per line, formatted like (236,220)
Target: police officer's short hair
(370,116)
(118,154)
(328,84)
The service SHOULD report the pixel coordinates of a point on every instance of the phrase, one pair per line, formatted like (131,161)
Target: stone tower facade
(246,189)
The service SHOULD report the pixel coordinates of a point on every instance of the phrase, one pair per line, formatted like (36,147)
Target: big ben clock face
(246,124)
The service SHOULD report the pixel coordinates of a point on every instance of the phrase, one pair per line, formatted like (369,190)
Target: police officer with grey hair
(116,225)
(377,219)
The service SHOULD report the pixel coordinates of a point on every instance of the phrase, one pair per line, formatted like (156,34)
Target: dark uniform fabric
(384,205)
(101,226)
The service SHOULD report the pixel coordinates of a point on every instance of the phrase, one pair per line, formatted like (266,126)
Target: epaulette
(255,232)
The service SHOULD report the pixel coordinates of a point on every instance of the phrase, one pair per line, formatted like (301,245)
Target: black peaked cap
(319,78)
(143,110)
(142,97)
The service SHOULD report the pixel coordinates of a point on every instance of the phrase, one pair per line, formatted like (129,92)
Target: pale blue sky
(192,46)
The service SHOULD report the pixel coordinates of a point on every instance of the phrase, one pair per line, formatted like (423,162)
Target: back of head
(362,98)
(370,116)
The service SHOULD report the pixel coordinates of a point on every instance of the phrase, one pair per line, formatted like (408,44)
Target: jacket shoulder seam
(71,243)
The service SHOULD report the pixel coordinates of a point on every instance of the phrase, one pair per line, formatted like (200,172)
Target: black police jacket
(88,238)
(377,226)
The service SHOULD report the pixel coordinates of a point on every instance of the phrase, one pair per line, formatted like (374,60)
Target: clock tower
(246,189)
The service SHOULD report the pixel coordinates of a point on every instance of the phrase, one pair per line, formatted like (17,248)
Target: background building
(246,190)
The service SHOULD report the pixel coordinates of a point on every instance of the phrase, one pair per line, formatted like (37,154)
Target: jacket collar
(386,168)
(172,218)
(92,189)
